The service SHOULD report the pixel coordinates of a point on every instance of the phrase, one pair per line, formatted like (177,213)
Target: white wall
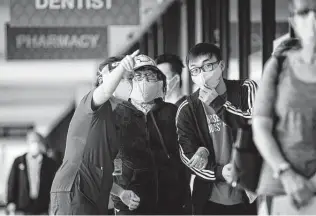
(9,150)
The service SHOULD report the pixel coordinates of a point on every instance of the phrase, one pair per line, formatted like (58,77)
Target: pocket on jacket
(81,202)
(90,181)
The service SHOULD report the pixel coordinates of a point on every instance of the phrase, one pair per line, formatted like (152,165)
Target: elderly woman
(148,166)
(284,119)
(30,178)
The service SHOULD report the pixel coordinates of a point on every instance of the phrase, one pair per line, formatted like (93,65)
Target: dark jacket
(151,163)
(18,184)
(193,132)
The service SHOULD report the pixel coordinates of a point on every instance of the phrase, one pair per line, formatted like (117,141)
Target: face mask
(208,79)
(305,28)
(173,83)
(35,149)
(123,90)
(145,92)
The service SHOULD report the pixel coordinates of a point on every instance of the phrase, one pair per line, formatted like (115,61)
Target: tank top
(295,126)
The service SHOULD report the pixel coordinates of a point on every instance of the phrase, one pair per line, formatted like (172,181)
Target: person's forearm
(107,88)
(116,190)
(265,142)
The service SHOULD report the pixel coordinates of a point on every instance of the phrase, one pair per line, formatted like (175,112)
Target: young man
(148,162)
(31,178)
(83,182)
(171,66)
(204,121)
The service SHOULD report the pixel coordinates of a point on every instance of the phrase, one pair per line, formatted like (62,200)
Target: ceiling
(41,92)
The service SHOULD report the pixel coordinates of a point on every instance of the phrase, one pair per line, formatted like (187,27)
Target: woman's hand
(299,188)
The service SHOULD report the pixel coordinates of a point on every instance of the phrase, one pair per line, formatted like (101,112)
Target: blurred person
(284,118)
(83,182)
(148,164)
(171,66)
(204,125)
(31,178)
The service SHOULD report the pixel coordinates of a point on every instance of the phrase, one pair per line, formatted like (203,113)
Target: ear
(222,65)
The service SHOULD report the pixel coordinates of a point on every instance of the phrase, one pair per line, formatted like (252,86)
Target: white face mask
(305,28)
(123,90)
(35,148)
(144,92)
(208,79)
(172,84)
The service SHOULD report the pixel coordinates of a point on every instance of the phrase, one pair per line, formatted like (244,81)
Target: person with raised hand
(83,182)
(148,163)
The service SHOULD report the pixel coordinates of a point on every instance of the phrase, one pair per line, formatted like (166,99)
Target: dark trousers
(34,208)
(111,212)
(212,208)
(159,211)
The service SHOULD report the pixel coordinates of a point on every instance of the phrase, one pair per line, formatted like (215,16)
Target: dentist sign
(55,13)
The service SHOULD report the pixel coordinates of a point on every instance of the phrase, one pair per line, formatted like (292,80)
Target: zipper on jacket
(153,159)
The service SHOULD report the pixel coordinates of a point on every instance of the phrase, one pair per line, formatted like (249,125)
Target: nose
(146,78)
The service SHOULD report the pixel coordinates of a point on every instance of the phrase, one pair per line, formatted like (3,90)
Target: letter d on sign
(41,4)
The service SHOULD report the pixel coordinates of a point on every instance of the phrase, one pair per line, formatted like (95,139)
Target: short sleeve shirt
(91,140)
(291,104)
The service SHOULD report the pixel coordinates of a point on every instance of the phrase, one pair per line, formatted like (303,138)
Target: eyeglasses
(150,76)
(205,67)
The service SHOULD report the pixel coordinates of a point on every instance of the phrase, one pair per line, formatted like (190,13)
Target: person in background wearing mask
(171,66)
(204,121)
(148,165)
(284,119)
(31,178)
(83,182)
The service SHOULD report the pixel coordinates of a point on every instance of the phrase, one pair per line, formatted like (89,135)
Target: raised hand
(128,61)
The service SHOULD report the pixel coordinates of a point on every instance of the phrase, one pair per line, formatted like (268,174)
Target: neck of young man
(174,96)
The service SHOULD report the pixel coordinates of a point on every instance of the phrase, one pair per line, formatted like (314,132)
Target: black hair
(160,75)
(110,60)
(174,61)
(201,49)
